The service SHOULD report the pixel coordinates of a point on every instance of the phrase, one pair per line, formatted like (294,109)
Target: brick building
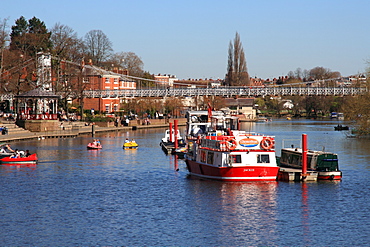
(95,78)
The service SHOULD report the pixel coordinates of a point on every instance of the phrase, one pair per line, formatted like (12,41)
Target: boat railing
(217,143)
(291,143)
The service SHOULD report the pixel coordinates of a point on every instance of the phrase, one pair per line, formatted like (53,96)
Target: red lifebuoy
(267,143)
(231,143)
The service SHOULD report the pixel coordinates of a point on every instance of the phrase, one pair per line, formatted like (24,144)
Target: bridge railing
(226,92)
(219,91)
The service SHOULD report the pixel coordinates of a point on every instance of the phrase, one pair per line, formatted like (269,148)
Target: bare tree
(3,39)
(321,73)
(97,46)
(230,65)
(237,74)
(66,44)
(129,61)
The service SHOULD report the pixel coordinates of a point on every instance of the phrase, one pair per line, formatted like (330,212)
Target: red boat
(238,156)
(92,145)
(32,159)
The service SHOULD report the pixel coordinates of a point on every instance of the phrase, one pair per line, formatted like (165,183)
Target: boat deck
(295,174)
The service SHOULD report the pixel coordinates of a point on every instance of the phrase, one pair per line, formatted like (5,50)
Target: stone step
(13,128)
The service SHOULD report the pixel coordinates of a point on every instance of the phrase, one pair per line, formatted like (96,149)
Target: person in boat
(16,154)
(127,140)
(27,153)
(133,141)
(197,131)
(8,149)
(98,142)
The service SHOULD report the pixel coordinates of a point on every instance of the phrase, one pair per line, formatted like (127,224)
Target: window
(106,80)
(263,158)
(203,156)
(210,158)
(115,80)
(107,108)
(236,158)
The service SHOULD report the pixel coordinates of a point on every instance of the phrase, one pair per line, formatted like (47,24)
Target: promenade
(75,129)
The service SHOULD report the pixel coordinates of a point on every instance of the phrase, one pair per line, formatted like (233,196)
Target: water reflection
(18,167)
(135,197)
(305,213)
(244,211)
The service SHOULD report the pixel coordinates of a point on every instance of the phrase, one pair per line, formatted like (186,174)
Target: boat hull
(92,146)
(329,175)
(240,173)
(130,145)
(32,159)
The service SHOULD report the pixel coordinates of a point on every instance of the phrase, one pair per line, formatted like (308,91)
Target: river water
(80,197)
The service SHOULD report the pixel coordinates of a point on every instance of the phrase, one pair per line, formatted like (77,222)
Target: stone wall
(39,125)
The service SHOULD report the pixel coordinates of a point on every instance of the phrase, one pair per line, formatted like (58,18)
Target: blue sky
(190,38)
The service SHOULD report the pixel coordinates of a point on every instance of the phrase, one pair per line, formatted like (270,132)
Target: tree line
(26,38)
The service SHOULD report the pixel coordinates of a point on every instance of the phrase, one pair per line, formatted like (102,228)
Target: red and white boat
(233,156)
(92,145)
(32,159)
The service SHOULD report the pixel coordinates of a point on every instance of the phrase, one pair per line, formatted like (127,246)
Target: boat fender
(267,143)
(231,144)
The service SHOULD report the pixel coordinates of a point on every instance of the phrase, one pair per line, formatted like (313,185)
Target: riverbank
(75,129)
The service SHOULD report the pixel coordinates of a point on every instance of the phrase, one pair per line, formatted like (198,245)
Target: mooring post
(93,130)
(171,132)
(304,156)
(175,134)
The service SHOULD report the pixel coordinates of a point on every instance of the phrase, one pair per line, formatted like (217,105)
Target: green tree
(30,37)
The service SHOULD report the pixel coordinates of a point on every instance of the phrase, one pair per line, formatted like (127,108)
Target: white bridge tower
(44,71)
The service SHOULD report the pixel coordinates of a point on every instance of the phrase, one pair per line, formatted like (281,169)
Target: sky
(190,38)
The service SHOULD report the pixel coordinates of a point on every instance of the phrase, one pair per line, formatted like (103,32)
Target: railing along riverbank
(78,129)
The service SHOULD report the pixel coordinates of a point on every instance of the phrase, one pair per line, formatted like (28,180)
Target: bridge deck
(220,91)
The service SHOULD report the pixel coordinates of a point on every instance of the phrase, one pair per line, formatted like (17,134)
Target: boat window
(236,158)
(210,158)
(295,159)
(203,156)
(263,158)
(284,157)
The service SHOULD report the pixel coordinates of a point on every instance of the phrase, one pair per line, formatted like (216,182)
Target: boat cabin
(316,160)
(201,123)
(167,136)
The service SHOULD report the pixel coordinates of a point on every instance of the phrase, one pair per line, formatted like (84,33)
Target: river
(80,197)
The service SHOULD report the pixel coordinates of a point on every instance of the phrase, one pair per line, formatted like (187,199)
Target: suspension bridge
(182,90)
(227,92)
